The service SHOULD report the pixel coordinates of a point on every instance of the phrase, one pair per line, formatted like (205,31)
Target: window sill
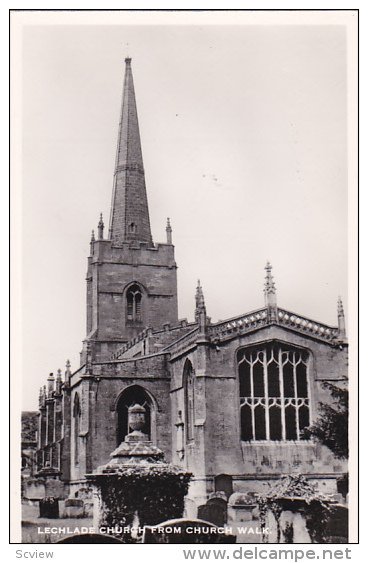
(255,442)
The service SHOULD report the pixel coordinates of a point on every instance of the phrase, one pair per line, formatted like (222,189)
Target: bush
(153,493)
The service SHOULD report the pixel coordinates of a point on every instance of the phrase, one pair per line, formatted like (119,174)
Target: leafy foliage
(153,493)
(296,488)
(331,427)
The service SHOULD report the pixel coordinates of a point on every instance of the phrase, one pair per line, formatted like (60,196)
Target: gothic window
(188,381)
(133,395)
(134,303)
(274,396)
(76,417)
(133,228)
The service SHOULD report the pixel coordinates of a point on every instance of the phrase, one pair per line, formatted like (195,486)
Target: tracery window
(188,381)
(274,395)
(134,303)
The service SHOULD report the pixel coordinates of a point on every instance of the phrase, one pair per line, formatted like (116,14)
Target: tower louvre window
(134,303)
(274,397)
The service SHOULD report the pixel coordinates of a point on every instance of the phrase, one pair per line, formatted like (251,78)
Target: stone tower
(131,281)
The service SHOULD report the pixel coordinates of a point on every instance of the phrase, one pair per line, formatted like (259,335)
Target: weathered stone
(145,353)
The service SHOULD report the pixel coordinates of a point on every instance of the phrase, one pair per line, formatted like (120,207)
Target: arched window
(274,396)
(188,382)
(131,396)
(133,228)
(134,303)
(76,417)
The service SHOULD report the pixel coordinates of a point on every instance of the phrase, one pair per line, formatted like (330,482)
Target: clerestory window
(274,394)
(134,303)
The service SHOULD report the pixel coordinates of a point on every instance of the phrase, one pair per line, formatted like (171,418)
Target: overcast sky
(244,138)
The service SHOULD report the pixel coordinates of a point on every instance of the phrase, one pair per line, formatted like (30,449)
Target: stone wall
(99,421)
(217,447)
(110,273)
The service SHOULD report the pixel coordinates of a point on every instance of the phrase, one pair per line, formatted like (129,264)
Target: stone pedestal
(136,487)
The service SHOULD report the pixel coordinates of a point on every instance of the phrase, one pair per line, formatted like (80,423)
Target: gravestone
(89,538)
(49,507)
(224,483)
(74,508)
(337,528)
(214,511)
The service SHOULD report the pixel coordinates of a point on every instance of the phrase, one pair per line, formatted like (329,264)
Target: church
(227,400)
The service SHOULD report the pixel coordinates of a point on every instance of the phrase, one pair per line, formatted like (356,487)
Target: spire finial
(200,310)
(127,58)
(168,231)
(100,228)
(50,384)
(59,382)
(43,396)
(341,319)
(68,372)
(270,290)
(340,307)
(92,242)
(199,298)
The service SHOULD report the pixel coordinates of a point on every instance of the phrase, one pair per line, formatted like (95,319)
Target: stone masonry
(214,393)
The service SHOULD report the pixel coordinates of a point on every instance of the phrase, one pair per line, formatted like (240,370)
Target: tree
(331,427)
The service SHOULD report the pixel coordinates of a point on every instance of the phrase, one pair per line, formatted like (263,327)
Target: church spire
(129,219)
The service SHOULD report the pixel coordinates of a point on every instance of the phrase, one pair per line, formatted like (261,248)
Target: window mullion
(252,400)
(134,307)
(281,379)
(296,397)
(265,372)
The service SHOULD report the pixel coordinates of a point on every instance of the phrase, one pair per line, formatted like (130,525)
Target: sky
(244,139)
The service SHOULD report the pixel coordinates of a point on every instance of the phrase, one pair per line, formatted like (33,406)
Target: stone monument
(136,487)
